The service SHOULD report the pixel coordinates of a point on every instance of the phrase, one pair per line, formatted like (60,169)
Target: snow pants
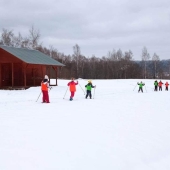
(156,88)
(166,88)
(72,94)
(160,88)
(140,89)
(45,97)
(88,94)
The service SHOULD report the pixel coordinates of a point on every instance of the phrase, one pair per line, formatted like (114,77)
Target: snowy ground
(120,129)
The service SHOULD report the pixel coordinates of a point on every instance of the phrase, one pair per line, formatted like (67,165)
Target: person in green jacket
(140,86)
(89,86)
(156,85)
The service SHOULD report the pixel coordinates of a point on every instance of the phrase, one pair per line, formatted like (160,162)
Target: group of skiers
(159,84)
(156,85)
(72,86)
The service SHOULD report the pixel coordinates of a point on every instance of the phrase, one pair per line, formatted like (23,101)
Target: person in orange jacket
(44,89)
(166,86)
(160,85)
(72,85)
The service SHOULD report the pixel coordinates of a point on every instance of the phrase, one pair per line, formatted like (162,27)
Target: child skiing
(156,85)
(44,88)
(72,85)
(166,86)
(89,86)
(140,86)
(160,85)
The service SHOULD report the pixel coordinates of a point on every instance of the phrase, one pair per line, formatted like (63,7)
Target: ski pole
(50,89)
(134,88)
(65,93)
(94,92)
(145,89)
(38,96)
(82,89)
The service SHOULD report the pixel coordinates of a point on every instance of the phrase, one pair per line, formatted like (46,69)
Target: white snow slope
(120,129)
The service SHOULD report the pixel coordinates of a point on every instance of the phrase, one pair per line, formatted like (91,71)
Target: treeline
(115,65)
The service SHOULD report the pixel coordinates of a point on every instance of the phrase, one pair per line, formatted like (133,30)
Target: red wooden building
(24,68)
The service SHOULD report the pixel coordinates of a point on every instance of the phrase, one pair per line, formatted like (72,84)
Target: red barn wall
(12,71)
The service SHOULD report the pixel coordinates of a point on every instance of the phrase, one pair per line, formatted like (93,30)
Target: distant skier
(140,86)
(44,88)
(72,85)
(160,85)
(166,86)
(89,86)
(156,85)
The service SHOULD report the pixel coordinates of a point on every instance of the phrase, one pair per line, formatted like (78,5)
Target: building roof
(31,56)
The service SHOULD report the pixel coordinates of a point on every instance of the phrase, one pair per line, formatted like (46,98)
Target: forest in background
(115,65)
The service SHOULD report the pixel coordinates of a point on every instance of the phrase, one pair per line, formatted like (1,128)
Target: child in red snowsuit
(72,85)
(160,85)
(166,86)
(44,88)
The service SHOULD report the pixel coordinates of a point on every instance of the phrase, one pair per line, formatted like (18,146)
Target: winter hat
(89,81)
(45,77)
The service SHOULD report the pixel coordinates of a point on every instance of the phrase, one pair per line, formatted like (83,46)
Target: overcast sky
(97,26)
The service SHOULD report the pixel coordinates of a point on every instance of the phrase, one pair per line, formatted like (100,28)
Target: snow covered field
(120,129)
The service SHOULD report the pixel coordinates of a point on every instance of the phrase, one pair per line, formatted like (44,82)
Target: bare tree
(34,37)
(18,40)
(7,37)
(25,43)
(77,53)
(155,60)
(145,58)
(119,55)
(54,53)
(126,62)
(112,58)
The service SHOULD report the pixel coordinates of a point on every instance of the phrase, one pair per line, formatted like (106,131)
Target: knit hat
(46,77)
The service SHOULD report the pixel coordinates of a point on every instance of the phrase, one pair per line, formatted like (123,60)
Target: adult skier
(140,86)
(72,85)
(89,86)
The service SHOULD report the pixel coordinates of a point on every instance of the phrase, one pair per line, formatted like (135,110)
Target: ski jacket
(141,85)
(155,83)
(72,85)
(160,83)
(44,85)
(89,86)
(166,84)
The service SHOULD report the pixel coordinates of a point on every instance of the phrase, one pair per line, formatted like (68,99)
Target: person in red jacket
(72,85)
(44,88)
(160,85)
(166,86)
